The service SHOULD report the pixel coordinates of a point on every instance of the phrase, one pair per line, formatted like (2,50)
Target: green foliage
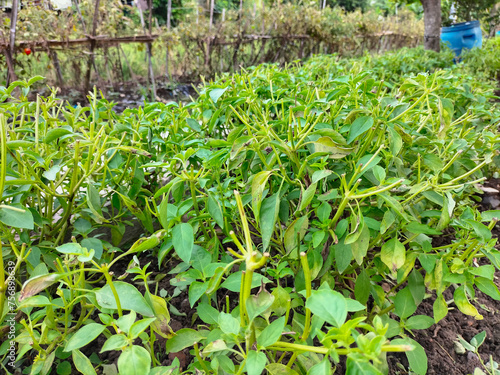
(317,194)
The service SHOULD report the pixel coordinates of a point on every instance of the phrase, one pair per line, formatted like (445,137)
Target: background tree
(432,24)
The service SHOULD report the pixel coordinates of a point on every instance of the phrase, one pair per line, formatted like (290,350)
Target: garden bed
(300,220)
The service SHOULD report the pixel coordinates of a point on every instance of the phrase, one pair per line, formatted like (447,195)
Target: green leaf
(94,203)
(160,325)
(51,173)
(228,324)
(362,287)
(322,368)
(353,305)
(463,304)
(271,333)
(93,244)
(395,141)
(258,185)
(256,362)
(307,196)
(56,133)
(70,248)
(480,229)
(357,367)
(83,336)
(35,301)
(329,305)
(183,240)
(359,247)
(319,175)
(343,255)
(268,216)
(280,369)
(417,358)
(416,285)
(419,322)
(16,216)
(215,94)
(440,308)
(404,304)
(298,227)
(193,124)
(433,162)
(387,221)
(207,313)
(359,126)
(490,215)
(134,360)
(417,228)
(196,290)
(47,364)
(233,282)
(82,363)
(487,287)
(215,210)
(183,338)
(258,304)
(115,342)
(478,339)
(393,254)
(327,145)
(130,298)
(140,326)
(214,346)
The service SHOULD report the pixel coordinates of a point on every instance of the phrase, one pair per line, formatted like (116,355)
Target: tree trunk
(432,24)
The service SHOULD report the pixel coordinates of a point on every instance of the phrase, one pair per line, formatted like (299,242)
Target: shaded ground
(127,95)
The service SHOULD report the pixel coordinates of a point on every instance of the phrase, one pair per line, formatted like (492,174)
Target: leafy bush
(305,212)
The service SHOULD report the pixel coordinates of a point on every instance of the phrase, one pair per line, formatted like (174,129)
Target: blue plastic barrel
(462,35)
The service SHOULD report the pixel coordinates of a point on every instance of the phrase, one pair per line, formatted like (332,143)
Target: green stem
(307,280)
(198,357)
(105,271)
(3,154)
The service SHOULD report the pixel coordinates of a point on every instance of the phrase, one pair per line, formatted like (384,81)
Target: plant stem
(307,280)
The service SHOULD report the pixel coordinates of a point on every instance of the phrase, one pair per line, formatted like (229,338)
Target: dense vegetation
(304,212)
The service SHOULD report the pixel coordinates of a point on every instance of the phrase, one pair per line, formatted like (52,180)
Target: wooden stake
(10,55)
(169,15)
(211,13)
(225,47)
(263,18)
(57,67)
(91,61)
(148,52)
(132,75)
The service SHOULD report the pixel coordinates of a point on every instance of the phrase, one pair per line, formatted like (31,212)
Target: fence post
(263,18)
(57,67)
(92,46)
(9,54)
(169,15)
(225,47)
